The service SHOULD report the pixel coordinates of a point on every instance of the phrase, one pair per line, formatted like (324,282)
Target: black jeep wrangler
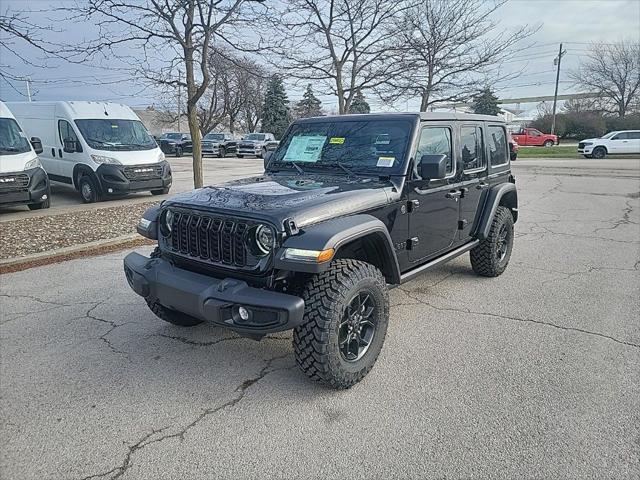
(347,207)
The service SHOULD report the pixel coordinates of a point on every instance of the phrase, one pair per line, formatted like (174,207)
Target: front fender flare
(336,233)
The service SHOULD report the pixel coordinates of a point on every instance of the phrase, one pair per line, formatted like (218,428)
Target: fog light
(243,313)
(43,197)
(110,190)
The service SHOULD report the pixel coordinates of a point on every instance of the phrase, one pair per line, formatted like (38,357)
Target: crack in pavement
(520,319)
(625,220)
(114,325)
(196,343)
(146,440)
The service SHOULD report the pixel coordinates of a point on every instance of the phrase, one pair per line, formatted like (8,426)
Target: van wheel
(491,257)
(599,152)
(173,316)
(88,189)
(548,143)
(160,191)
(346,315)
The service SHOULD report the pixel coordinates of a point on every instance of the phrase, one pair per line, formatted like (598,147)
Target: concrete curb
(75,251)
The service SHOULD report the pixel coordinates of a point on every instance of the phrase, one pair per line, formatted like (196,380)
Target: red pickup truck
(530,137)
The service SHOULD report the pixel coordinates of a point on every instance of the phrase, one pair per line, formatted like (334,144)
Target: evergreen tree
(359,104)
(275,113)
(486,103)
(309,106)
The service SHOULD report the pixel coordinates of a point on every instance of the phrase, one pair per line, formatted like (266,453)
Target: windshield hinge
(290,227)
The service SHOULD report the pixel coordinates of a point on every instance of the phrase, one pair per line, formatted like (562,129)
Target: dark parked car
(258,144)
(219,144)
(347,207)
(175,143)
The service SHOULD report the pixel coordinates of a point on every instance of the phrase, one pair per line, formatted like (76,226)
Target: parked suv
(175,143)
(613,143)
(530,137)
(218,144)
(347,207)
(258,144)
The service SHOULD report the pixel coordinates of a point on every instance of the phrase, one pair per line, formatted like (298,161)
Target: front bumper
(212,299)
(114,181)
(210,149)
(36,189)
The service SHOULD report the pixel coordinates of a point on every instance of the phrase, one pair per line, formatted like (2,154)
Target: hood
(590,140)
(131,157)
(15,163)
(305,199)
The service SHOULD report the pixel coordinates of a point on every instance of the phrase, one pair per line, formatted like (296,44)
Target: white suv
(613,143)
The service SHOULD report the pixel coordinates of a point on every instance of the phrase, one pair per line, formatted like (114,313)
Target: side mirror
(433,167)
(69,146)
(36,143)
(267,158)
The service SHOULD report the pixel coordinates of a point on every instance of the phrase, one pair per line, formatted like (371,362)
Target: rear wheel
(548,143)
(173,316)
(599,152)
(88,189)
(346,318)
(491,257)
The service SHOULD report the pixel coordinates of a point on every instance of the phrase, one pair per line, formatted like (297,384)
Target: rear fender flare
(504,194)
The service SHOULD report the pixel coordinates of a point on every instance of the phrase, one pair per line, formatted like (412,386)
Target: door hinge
(462,224)
(412,205)
(412,243)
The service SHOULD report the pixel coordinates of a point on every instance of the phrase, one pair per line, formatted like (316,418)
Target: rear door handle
(482,185)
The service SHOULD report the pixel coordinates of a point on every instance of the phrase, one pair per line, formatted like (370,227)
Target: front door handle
(482,185)
(454,194)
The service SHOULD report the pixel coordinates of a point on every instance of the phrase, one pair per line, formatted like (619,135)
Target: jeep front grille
(143,172)
(14,183)
(208,238)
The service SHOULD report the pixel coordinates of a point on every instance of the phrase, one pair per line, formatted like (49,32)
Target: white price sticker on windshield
(385,161)
(305,149)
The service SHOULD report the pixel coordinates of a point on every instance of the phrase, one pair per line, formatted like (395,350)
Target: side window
(621,136)
(498,153)
(633,135)
(436,141)
(66,132)
(472,146)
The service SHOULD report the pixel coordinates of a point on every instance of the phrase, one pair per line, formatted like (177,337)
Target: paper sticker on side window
(305,149)
(385,161)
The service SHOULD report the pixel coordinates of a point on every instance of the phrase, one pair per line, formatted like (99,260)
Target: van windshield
(377,146)
(12,139)
(103,134)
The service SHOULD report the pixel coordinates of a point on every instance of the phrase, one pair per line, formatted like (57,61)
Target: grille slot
(207,238)
(14,183)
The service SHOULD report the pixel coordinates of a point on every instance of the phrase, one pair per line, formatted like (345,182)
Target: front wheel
(491,257)
(346,318)
(548,143)
(88,189)
(599,152)
(160,191)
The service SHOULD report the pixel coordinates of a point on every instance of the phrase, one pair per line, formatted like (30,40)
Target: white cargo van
(22,179)
(102,149)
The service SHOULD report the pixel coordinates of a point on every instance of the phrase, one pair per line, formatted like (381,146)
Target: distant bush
(573,125)
(629,122)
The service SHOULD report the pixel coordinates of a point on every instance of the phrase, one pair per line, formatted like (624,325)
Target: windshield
(214,136)
(609,135)
(103,134)
(378,146)
(255,136)
(12,138)
(171,136)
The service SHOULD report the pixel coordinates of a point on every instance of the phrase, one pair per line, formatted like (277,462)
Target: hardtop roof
(424,116)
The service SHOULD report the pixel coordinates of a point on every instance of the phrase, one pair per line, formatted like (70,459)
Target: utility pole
(557,62)
(28,82)
(179,99)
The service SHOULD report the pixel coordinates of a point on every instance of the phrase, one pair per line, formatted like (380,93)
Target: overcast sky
(574,22)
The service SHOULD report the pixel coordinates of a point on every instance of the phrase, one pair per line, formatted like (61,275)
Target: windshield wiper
(340,165)
(297,167)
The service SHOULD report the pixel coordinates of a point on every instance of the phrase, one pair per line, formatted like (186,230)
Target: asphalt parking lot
(534,374)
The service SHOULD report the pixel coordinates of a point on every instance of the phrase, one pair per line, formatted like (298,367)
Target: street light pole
(557,61)
(28,82)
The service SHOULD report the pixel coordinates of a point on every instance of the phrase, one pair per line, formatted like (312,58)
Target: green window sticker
(305,148)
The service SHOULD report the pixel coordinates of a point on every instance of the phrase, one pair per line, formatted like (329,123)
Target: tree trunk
(424,104)
(198,180)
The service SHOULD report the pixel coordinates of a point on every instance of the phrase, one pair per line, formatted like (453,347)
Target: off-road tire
(160,191)
(173,316)
(326,298)
(91,195)
(599,152)
(485,259)
(548,143)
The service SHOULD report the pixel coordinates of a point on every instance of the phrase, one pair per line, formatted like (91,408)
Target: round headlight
(166,222)
(261,240)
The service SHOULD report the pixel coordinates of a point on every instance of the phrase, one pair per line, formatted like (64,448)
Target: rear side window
(633,135)
(436,141)
(66,133)
(472,146)
(498,151)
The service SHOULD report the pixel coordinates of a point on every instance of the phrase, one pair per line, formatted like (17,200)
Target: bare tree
(446,48)
(343,44)
(171,36)
(612,70)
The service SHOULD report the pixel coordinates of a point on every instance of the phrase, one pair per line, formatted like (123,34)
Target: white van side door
(68,157)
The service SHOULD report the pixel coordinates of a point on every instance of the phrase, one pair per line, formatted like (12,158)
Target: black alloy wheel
(358,327)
